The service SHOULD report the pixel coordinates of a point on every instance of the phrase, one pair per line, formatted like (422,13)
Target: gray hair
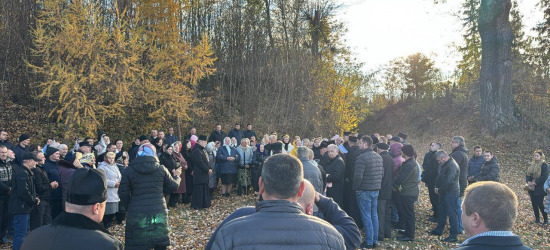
(302,152)
(210,147)
(333,146)
(459,140)
(440,154)
(62,146)
(282,176)
(310,153)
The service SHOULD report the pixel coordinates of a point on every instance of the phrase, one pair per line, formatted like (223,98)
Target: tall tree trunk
(268,22)
(497,109)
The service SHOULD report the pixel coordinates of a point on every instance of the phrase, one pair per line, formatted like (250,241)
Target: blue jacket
(238,134)
(474,165)
(228,167)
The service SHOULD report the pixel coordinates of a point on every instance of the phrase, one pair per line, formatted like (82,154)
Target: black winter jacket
(23,193)
(350,164)
(490,171)
(494,243)
(335,169)
(278,224)
(460,155)
(71,231)
(448,178)
(387,179)
(539,188)
(217,136)
(201,164)
(238,134)
(141,193)
(369,170)
(42,183)
(430,166)
(249,133)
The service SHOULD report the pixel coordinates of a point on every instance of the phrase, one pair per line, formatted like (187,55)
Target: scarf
(147,150)
(286,146)
(535,169)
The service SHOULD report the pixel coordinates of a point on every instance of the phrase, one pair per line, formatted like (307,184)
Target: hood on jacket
(396,149)
(145,165)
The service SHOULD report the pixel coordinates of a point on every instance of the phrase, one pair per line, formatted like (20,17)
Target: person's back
(141,193)
(278,224)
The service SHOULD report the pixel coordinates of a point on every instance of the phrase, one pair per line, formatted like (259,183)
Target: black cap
(408,150)
(50,151)
(347,133)
(87,187)
(360,135)
(277,146)
(382,146)
(402,135)
(84,144)
(353,139)
(395,138)
(324,144)
(143,138)
(202,138)
(30,156)
(23,137)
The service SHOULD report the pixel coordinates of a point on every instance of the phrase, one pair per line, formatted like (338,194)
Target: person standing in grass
(537,173)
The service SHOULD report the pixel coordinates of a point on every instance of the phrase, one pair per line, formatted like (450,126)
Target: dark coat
(335,169)
(317,152)
(490,171)
(238,134)
(23,193)
(141,192)
(168,161)
(313,174)
(350,163)
(170,139)
(539,188)
(19,153)
(460,155)
(259,158)
(7,172)
(249,133)
(217,136)
(132,152)
(42,183)
(387,180)
(369,170)
(407,178)
(430,166)
(494,243)
(66,171)
(447,180)
(202,165)
(7,144)
(52,170)
(474,165)
(278,224)
(227,167)
(71,231)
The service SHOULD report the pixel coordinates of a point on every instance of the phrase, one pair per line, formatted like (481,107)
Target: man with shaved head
(337,217)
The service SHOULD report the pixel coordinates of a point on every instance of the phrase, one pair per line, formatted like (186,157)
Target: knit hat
(382,146)
(87,187)
(395,138)
(408,150)
(402,135)
(23,137)
(143,138)
(50,151)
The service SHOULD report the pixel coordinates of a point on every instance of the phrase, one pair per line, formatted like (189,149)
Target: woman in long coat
(181,162)
(186,149)
(141,192)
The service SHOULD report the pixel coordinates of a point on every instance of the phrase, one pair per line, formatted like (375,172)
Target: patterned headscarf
(146,150)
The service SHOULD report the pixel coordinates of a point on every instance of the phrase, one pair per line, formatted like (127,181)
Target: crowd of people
(312,192)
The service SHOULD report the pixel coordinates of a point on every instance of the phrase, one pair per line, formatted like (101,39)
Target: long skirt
(188,182)
(201,196)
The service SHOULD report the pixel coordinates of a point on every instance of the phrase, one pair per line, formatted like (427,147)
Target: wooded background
(127,66)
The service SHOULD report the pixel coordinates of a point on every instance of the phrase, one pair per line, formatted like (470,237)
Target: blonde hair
(110,155)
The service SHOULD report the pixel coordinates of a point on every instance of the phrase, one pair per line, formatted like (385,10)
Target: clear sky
(381,30)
